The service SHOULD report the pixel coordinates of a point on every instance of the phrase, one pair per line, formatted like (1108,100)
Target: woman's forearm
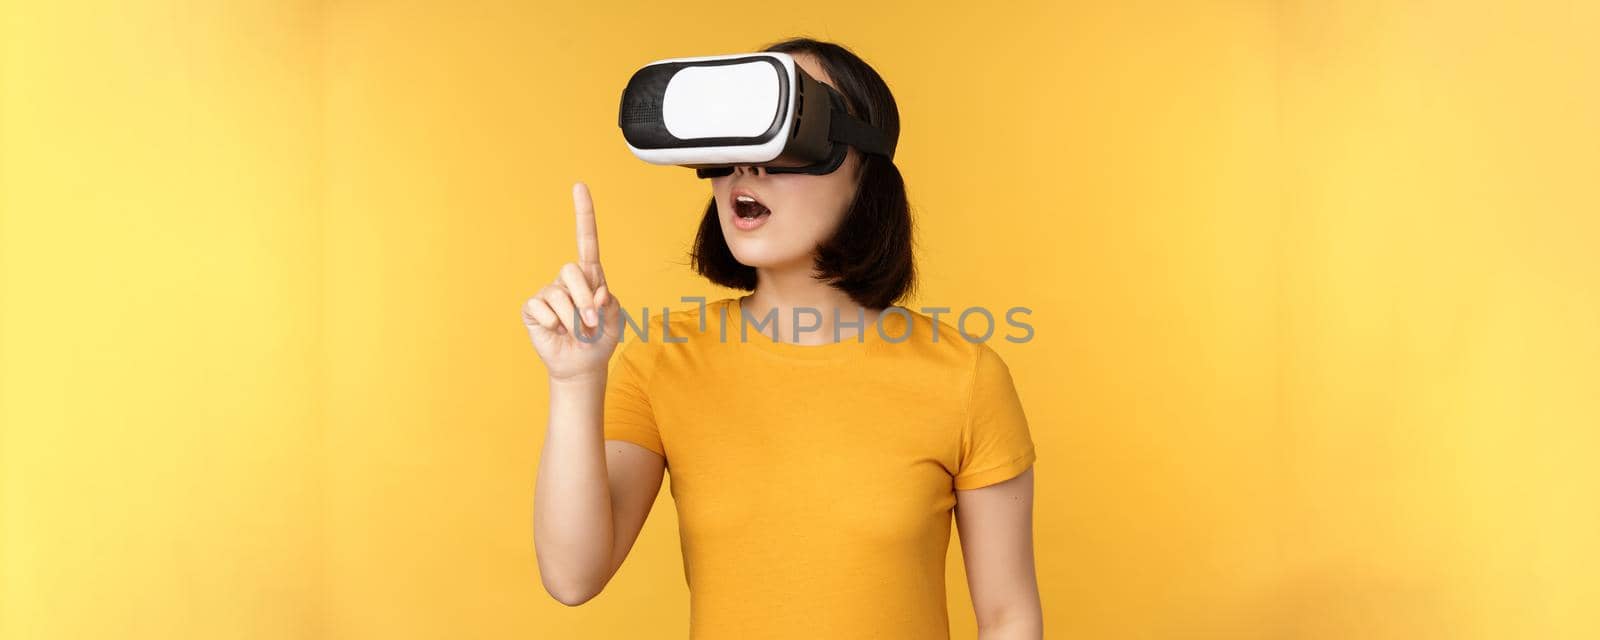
(572,513)
(1024,625)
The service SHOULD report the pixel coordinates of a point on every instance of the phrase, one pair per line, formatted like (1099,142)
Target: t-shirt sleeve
(995,442)
(628,415)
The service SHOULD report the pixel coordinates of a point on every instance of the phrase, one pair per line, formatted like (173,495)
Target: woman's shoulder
(936,335)
(689,321)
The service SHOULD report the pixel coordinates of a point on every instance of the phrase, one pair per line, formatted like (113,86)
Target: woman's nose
(754,170)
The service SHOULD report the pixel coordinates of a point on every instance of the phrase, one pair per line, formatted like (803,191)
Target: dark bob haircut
(869,256)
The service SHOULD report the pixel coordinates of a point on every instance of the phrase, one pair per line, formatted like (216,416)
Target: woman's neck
(785,290)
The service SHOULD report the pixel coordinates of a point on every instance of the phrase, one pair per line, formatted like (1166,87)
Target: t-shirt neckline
(845,348)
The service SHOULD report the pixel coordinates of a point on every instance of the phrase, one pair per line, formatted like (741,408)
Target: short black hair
(869,257)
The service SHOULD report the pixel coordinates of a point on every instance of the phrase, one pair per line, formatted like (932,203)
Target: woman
(816,462)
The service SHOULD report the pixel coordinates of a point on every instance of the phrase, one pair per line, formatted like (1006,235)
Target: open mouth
(748,208)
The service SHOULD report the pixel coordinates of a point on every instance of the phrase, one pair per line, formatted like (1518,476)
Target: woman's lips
(748,212)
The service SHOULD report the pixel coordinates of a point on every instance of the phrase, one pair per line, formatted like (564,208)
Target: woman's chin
(764,257)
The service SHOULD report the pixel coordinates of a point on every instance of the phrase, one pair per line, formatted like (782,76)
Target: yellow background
(1315,290)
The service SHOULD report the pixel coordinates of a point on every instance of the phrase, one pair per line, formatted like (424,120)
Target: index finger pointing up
(588,235)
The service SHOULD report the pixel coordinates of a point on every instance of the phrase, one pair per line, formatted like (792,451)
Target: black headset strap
(843,127)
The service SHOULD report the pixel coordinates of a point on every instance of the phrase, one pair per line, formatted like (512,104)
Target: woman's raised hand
(578,291)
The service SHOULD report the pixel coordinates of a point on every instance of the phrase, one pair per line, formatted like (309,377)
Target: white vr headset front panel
(727,100)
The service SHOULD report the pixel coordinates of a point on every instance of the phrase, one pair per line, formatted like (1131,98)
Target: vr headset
(712,112)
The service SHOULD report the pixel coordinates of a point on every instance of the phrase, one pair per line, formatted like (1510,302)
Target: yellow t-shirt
(815,484)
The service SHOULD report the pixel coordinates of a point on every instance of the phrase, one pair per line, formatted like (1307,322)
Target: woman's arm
(592,496)
(996,528)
